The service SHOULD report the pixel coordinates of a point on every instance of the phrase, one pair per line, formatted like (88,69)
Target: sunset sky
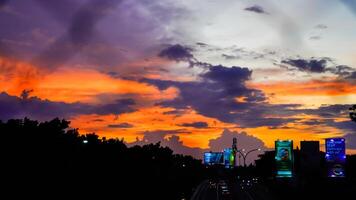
(191,73)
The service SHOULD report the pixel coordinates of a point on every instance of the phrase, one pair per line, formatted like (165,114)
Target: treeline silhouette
(49,158)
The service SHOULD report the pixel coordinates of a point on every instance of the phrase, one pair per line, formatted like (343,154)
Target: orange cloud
(307,88)
(153,119)
(71,85)
(297,133)
(16,76)
(309,93)
(74,84)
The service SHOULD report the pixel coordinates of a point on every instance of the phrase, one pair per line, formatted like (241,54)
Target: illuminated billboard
(284,158)
(335,157)
(213,158)
(229,158)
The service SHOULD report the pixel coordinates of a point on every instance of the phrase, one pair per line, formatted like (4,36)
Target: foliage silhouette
(352,113)
(49,157)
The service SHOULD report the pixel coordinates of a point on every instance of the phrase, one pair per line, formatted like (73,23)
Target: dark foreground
(49,160)
(253,189)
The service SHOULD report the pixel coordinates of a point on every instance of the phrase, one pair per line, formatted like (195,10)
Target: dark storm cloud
(180,53)
(80,31)
(15,107)
(227,75)
(61,11)
(312,65)
(351,76)
(195,125)
(313,122)
(177,53)
(320,65)
(231,79)
(257,9)
(97,33)
(201,44)
(230,57)
(342,70)
(121,125)
(215,96)
(120,106)
(3,3)
(328,111)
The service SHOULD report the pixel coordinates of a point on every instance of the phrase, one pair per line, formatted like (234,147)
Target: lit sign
(212,158)
(335,156)
(284,158)
(229,158)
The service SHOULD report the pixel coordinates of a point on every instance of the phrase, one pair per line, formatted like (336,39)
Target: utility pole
(244,155)
(234,149)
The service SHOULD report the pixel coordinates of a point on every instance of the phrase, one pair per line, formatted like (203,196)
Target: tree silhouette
(50,156)
(352,113)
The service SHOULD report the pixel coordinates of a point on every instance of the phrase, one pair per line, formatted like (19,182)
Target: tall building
(309,156)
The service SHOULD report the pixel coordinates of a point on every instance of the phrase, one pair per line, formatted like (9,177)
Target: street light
(244,155)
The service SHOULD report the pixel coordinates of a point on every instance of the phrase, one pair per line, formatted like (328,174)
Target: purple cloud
(177,53)
(121,125)
(34,107)
(214,96)
(244,141)
(195,125)
(257,9)
(98,33)
(312,65)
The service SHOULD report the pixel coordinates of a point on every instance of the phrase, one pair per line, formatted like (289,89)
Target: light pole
(244,155)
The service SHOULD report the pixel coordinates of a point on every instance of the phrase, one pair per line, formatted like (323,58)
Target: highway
(246,189)
(205,191)
(251,189)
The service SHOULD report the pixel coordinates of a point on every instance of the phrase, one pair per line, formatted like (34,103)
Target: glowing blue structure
(284,158)
(213,158)
(229,158)
(335,156)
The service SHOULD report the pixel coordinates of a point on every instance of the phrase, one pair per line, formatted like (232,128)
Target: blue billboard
(229,158)
(213,158)
(335,157)
(284,158)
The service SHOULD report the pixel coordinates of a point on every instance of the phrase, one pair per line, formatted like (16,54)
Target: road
(238,190)
(251,190)
(205,191)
